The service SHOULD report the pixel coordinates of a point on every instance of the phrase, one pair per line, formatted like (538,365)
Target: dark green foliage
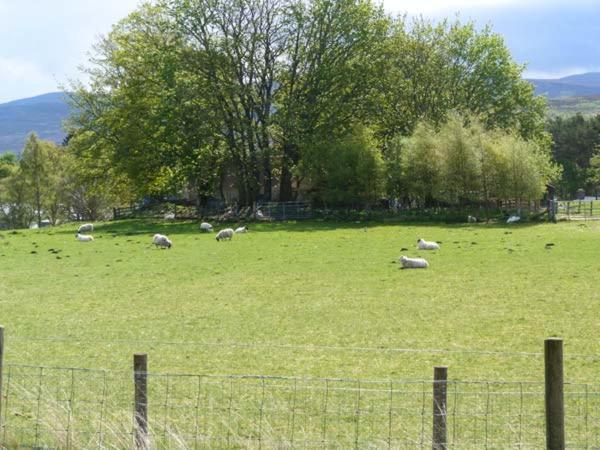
(574,141)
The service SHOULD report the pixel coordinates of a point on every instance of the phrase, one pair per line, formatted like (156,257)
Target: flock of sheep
(162,241)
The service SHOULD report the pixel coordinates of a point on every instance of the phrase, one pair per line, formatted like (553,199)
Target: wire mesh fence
(51,407)
(576,210)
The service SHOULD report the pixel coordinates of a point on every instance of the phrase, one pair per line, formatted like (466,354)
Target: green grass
(293,289)
(568,106)
(309,300)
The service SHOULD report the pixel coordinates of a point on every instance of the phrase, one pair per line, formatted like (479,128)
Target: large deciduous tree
(184,92)
(328,77)
(434,69)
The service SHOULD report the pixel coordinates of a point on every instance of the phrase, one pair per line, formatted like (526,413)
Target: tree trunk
(268,179)
(38,205)
(290,157)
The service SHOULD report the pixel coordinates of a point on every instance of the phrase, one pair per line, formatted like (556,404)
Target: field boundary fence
(574,210)
(303,210)
(67,407)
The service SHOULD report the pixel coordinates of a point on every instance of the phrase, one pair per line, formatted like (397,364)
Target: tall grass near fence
(74,408)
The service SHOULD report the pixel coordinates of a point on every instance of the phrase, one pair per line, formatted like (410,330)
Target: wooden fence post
(140,377)
(555,407)
(440,379)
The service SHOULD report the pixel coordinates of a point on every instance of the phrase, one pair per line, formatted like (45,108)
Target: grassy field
(306,300)
(289,298)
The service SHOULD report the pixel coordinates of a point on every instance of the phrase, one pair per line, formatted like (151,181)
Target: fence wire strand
(73,408)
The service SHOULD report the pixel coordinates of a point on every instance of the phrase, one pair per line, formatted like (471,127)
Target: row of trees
(48,182)
(285,96)
(465,163)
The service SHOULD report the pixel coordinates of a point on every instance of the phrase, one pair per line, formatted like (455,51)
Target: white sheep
(170,216)
(227,233)
(243,229)
(426,245)
(86,228)
(160,240)
(471,219)
(413,263)
(513,219)
(206,227)
(84,237)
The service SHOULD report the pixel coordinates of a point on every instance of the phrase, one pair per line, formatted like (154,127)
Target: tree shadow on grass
(146,227)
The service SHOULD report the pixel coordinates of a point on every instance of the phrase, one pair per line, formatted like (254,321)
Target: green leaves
(185,94)
(434,69)
(464,163)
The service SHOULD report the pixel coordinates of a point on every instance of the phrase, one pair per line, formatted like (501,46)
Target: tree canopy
(290,95)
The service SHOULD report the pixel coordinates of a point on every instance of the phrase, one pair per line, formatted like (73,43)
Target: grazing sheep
(426,245)
(84,237)
(206,227)
(227,233)
(162,241)
(413,263)
(513,219)
(85,228)
(471,219)
(243,229)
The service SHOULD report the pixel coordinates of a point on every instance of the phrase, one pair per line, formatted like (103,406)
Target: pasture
(304,299)
(342,339)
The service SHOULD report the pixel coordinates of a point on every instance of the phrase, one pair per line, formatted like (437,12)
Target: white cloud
(20,78)
(443,7)
(44,42)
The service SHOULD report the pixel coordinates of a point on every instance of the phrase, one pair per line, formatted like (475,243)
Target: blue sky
(42,42)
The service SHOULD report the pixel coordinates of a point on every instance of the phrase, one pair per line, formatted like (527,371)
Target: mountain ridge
(578,85)
(42,114)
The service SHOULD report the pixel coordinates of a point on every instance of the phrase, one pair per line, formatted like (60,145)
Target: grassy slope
(490,287)
(568,106)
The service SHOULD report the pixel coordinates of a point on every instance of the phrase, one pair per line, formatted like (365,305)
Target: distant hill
(43,114)
(581,85)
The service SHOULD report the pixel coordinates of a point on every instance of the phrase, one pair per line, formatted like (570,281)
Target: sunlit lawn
(304,299)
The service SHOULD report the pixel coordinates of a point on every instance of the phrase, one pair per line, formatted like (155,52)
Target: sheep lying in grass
(413,263)
(227,233)
(86,228)
(426,245)
(160,240)
(243,229)
(84,237)
(513,219)
(206,227)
